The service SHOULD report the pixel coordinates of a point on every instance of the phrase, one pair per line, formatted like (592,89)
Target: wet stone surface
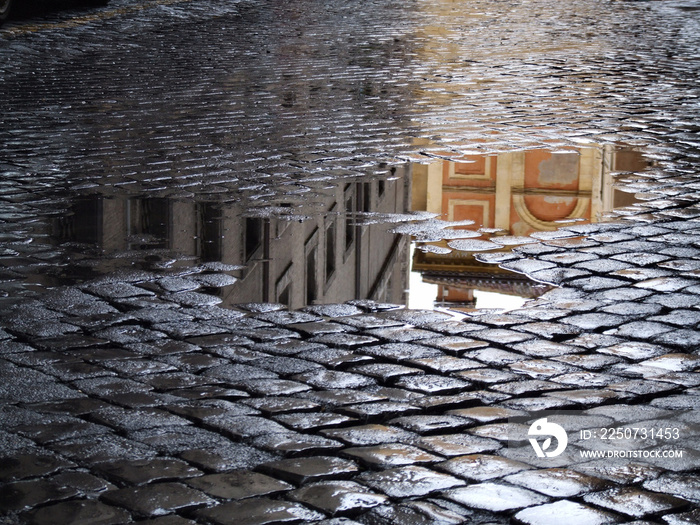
(165,360)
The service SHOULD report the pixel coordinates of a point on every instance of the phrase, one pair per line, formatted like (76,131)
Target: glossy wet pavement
(150,373)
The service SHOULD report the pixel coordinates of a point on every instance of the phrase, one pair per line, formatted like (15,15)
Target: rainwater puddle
(427,235)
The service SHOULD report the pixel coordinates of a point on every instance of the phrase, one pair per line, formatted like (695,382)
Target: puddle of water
(409,234)
(499,201)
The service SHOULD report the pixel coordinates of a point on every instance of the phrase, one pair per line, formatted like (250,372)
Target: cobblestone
(136,387)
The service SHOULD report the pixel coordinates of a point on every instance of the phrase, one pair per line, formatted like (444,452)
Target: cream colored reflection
(512,194)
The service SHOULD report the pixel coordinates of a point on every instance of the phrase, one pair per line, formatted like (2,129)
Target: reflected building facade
(517,193)
(323,252)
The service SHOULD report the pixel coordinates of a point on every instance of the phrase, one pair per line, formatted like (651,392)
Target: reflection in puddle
(352,239)
(507,197)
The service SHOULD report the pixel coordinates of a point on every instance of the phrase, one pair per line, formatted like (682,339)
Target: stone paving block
(378,411)
(334,358)
(588,397)
(369,435)
(500,431)
(304,470)
(100,386)
(280,404)
(686,339)
(487,414)
(341,397)
(275,387)
(123,334)
(495,497)
(313,420)
(385,371)
(404,482)
(293,443)
(79,512)
(541,368)
(228,457)
(31,463)
(400,352)
(432,384)
(176,439)
(423,424)
(574,513)
(550,329)
(635,502)
(242,427)
(683,518)
(400,334)
(544,348)
(343,340)
(519,388)
(259,511)
(168,520)
(20,384)
(136,419)
(147,470)
(58,428)
(337,497)
(199,410)
(238,484)
(445,364)
(454,345)
(418,513)
(557,482)
(284,365)
(635,351)
(101,448)
(23,495)
(331,379)
(495,357)
(157,499)
(681,485)
(487,375)
(390,455)
(482,467)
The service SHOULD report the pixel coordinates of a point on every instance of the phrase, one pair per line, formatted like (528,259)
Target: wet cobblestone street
(209,212)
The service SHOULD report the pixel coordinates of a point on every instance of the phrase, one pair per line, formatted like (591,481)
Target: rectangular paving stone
(79,511)
(406,482)
(635,502)
(239,484)
(482,467)
(230,457)
(369,435)
(557,482)
(304,470)
(495,497)
(147,470)
(294,443)
(573,512)
(338,497)
(259,511)
(157,499)
(390,455)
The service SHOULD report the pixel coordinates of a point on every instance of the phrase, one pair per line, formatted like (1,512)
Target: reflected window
(149,222)
(83,223)
(253,236)
(330,250)
(349,196)
(210,233)
(367,197)
(311,268)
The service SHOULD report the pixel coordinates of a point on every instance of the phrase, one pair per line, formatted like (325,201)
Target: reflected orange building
(520,193)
